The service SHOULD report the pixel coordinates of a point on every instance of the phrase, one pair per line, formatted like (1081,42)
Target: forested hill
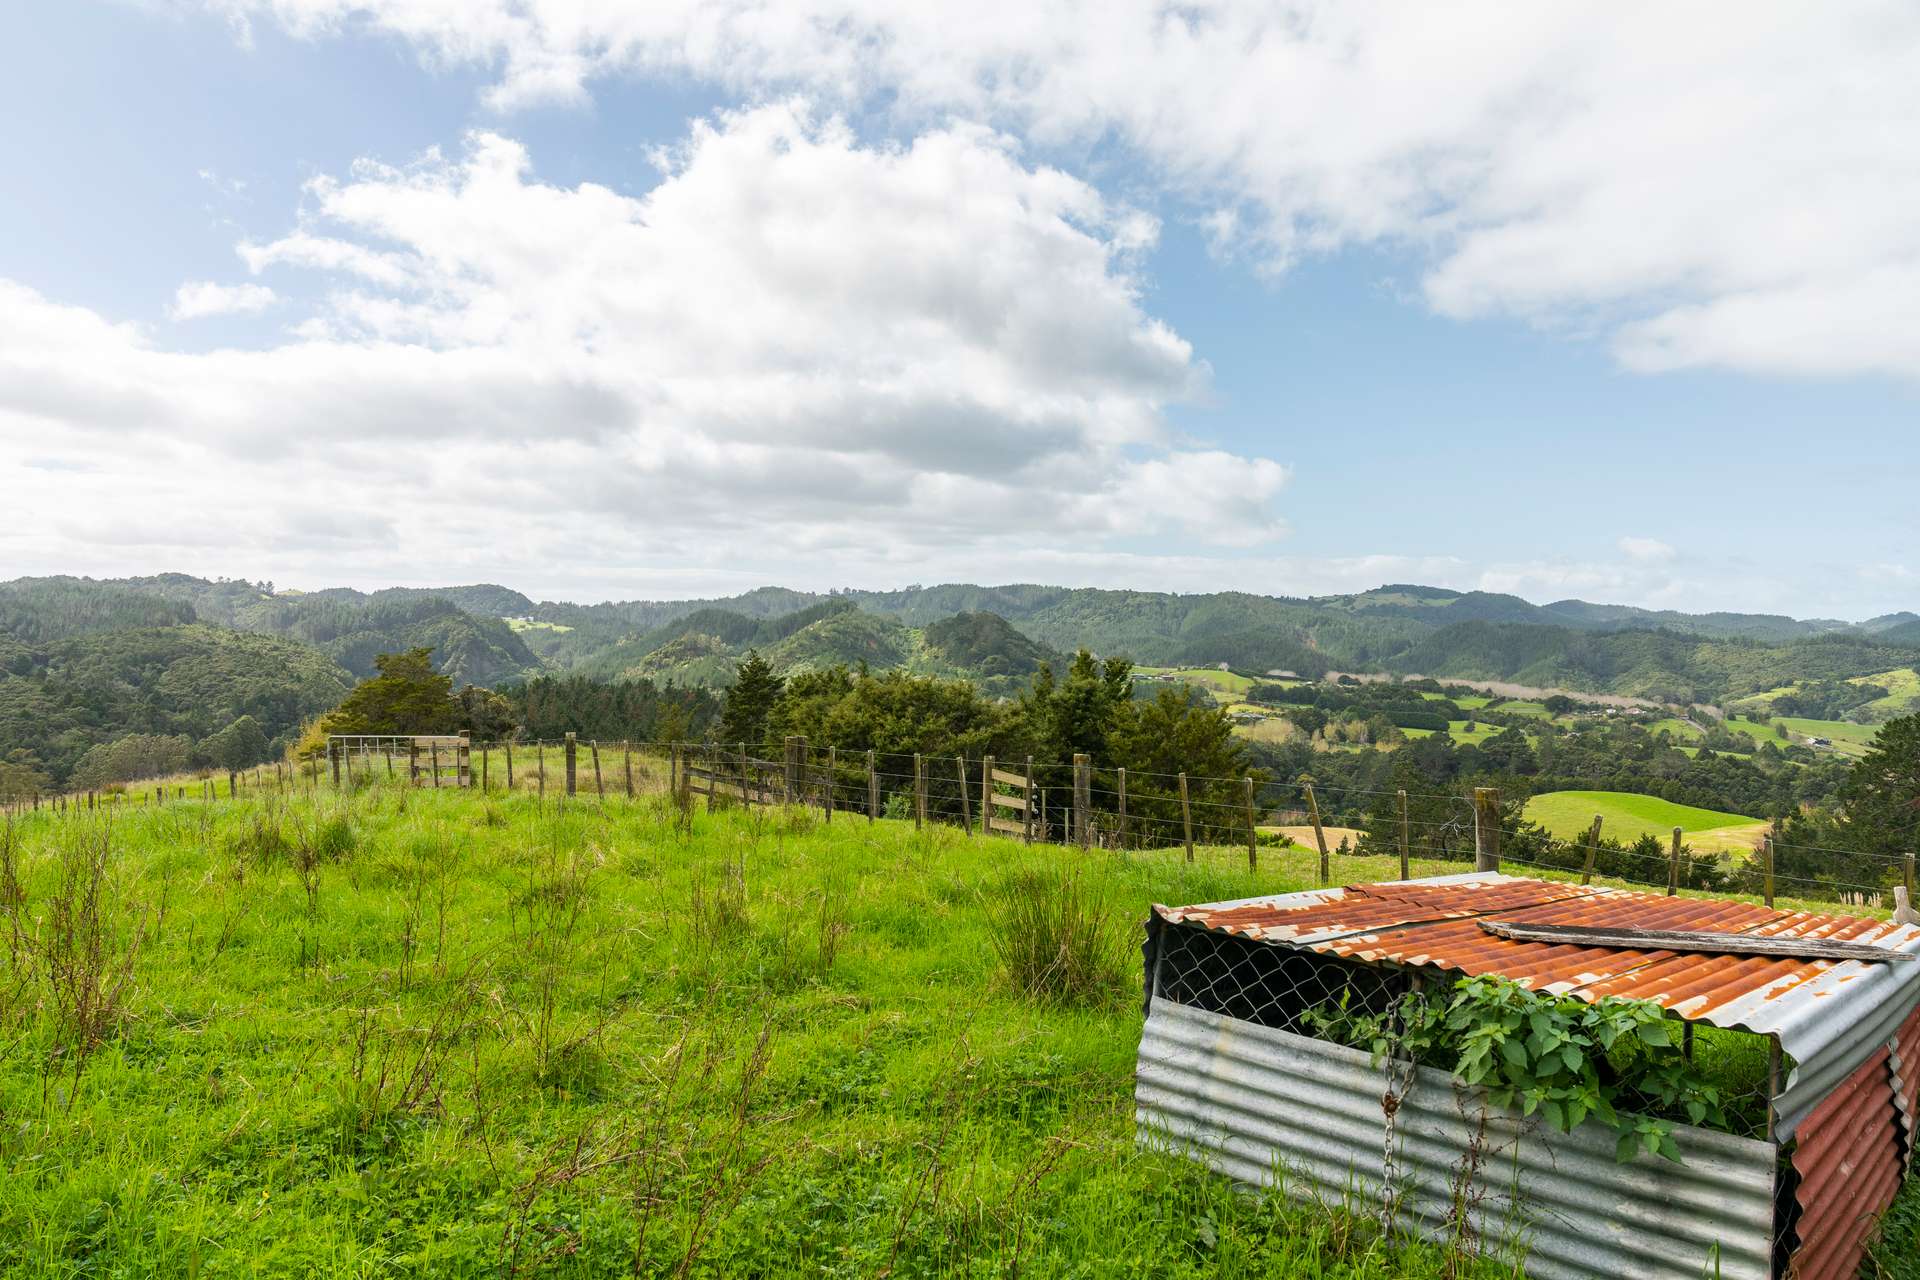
(83,662)
(1401,629)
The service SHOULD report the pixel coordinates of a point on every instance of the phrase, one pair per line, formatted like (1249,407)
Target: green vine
(1569,1060)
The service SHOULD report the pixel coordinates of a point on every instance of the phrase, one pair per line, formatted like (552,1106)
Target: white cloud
(795,350)
(1714,184)
(1645,550)
(200,298)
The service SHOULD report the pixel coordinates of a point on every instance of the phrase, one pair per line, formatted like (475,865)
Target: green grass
(432,1033)
(1227,682)
(535,624)
(1848,738)
(1679,729)
(1628,816)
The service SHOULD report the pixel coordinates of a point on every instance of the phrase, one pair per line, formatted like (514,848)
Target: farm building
(1818,1017)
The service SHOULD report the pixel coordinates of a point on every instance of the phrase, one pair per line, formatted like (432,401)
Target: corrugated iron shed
(1828,1016)
(1264,1106)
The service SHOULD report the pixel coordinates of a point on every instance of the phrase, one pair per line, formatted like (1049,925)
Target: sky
(670,299)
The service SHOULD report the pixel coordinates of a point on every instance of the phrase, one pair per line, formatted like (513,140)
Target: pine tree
(750,701)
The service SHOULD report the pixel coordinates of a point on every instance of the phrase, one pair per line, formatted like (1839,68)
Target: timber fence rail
(1078,802)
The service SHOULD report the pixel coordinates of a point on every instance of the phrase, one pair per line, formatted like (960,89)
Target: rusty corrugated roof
(1828,1015)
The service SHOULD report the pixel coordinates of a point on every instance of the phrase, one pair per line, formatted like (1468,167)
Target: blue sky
(1320,367)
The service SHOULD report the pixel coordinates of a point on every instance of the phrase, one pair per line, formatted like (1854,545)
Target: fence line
(1076,803)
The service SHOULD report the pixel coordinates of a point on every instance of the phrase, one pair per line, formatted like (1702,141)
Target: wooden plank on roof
(1730,944)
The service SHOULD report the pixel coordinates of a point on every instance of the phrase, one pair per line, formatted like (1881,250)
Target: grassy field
(1628,816)
(1458,731)
(385,1032)
(1848,738)
(1209,678)
(429,1033)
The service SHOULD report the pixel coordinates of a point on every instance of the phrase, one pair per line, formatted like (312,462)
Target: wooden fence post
(1766,867)
(1593,850)
(435,757)
(626,763)
(485,748)
(833,766)
(507,747)
(598,789)
(333,758)
(1319,836)
(1909,874)
(1405,873)
(569,749)
(1082,799)
(1026,825)
(1120,781)
(986,796)
(919,791)
(873,790)
(790,780)
(966,808)
(1186,818)
(1673,865)
(1253,832)
(1486,829)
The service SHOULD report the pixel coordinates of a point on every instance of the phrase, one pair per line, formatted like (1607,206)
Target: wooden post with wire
(626,764)
(568,749)
(966,805)
(486,749)
(826,792)
(1766,867)
(1673,865)
(1405,873)
(919,791)
(1486,829)
(1593,851)
(598,790)
(1026,825)
(1253,831)
(1186,818)
(873,790)
(1319,835)
(507,747)
(986,796)
(1082,798)
(1120,776)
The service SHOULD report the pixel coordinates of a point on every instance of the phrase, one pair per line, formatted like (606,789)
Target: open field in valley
(1629,816)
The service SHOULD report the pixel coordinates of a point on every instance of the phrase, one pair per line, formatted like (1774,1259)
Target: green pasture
(1628,816)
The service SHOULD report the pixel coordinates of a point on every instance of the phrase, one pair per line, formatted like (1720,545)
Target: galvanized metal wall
(1266,1106)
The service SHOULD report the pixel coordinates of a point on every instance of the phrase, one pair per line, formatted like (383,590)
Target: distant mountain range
(146,653)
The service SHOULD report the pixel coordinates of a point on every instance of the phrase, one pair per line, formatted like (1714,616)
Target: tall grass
(433,1033)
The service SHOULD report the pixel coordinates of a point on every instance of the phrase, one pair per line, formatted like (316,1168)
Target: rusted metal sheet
(1265,1106)
(1827,1015)
(1906,1083)
(1848,1161)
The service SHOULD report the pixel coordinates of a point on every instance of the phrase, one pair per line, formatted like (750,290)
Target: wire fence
(1075,802)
